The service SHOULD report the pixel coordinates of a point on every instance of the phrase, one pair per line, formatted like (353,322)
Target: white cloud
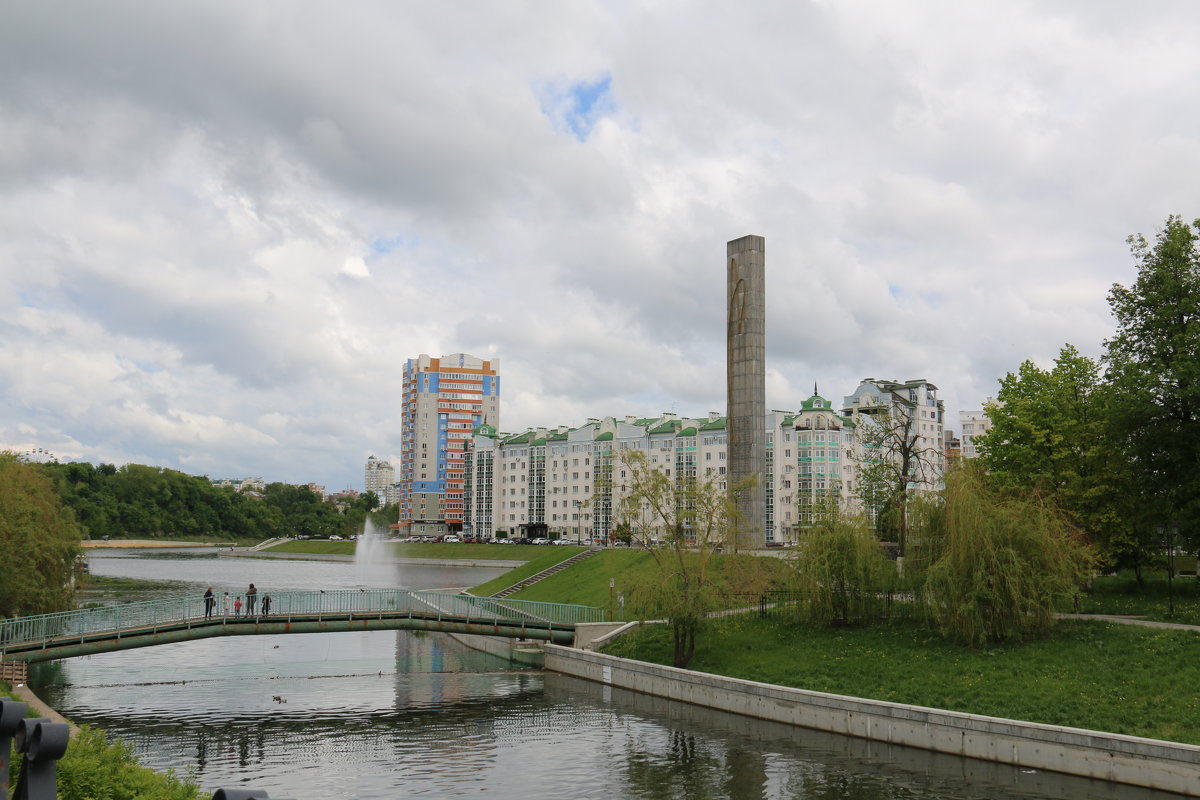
(217,258)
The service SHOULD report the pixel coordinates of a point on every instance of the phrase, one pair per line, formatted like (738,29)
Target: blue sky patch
(386,244)
(576,108)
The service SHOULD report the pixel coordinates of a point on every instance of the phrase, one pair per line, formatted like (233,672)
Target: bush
(95,769)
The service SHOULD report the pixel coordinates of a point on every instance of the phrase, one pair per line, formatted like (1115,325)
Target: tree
(1153,364)
(995,566)
(683,520)
(39,542)
(841,571)
(1052,434)
(896,459)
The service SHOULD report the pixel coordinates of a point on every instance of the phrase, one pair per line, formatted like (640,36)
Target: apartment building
(444,401)
(378,477)
(571,482)
(901,419)
(974,424)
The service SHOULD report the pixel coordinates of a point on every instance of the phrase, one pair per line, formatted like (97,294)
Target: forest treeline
(144,502)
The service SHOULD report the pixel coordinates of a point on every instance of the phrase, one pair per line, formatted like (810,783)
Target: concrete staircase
(559,567)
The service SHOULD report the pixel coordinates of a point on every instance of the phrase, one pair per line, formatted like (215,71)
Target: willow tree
(683,520)
(842,573)
(39,542)
(995,566)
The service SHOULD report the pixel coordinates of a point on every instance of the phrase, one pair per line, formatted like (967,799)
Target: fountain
(371,559)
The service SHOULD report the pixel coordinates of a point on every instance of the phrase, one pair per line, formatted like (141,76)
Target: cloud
(224,227)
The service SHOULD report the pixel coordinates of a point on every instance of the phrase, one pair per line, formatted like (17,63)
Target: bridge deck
(155,622)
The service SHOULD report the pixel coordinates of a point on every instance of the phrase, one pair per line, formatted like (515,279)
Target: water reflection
(387,714)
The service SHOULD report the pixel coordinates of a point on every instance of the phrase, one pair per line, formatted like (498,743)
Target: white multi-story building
(378,477)
(570,482)
(445,399)
(974,423)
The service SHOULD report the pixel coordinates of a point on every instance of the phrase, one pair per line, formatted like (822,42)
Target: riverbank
(89,544)
(402,561)
(1102,676)
(1111,758)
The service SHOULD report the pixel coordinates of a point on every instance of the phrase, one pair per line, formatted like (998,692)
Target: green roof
(604,437)
(811,403)
(718,424)
(523,438)
(688,431)
(670,426)
(558,437)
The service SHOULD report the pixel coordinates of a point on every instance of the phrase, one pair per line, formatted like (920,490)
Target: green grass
(446,550)
(541,557)
(1094,675)
(587,583)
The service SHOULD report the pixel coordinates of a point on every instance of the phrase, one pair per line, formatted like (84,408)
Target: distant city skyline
(220,243)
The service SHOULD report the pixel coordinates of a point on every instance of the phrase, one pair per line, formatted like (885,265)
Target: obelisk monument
(747,383)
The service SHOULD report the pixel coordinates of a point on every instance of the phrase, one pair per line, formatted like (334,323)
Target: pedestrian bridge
(145,624)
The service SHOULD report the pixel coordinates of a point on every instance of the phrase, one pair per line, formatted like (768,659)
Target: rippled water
(394,714)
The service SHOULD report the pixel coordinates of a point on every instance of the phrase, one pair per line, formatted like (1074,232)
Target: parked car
(562,541)
(540,540)
(335,538)
(505,541)
(451,538)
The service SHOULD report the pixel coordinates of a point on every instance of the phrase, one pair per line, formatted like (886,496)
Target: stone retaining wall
(1111,757)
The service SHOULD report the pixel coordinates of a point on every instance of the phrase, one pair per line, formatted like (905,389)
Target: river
(397,714)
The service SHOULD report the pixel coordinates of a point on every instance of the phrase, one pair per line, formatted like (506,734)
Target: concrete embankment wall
(1111,757)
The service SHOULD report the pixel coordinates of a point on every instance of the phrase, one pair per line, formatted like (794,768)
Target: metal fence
(784,602)
(355,603)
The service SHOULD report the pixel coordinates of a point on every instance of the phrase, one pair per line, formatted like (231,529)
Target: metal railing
(356,603)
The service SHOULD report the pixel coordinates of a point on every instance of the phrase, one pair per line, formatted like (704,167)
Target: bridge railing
(152,614)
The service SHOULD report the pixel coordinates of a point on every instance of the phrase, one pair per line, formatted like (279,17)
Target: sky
(224,226)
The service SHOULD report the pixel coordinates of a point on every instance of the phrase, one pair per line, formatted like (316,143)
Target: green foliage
(94,769)
(842,573)
(39,542)
(138,501)
(995,567)
(1053,435)
(1093,675)
(1154,368)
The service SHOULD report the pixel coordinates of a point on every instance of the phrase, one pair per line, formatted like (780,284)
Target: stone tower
(746,376)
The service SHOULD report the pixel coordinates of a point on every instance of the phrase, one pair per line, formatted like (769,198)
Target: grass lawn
(447,550)
(541,557)
(587,583)
(1094,675)
(1122,595)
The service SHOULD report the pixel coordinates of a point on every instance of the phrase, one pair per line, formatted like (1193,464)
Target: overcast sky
(225,225)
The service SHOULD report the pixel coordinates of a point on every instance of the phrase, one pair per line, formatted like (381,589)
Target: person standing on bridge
(251,596)
(266,604)
(237,606)
(209,601)
(225,605)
